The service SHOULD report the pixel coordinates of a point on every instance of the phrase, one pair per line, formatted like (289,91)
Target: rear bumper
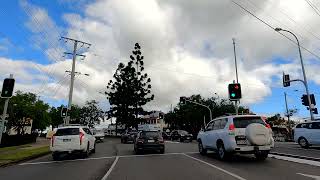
(67,150)
(252,149)
(150,146)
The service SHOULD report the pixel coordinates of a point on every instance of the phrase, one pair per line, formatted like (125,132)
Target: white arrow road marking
(310,176)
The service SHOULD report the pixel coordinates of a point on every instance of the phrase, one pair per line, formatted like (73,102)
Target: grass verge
(14,155)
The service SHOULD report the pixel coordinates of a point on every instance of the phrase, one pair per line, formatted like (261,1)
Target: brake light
(81,135)
(268,126)
(52,140)
(231,127)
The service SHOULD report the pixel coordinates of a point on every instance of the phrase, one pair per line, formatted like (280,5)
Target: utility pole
(236,67)
(4,114)
(288,115)
(74,56)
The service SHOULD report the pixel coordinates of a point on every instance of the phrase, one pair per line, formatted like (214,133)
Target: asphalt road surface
(116,161)
(295,149)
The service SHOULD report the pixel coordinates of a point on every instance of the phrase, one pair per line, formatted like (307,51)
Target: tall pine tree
(130,90)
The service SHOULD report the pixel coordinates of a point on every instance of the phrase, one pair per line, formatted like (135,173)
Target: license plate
(241,141)
(66,140)
(150,141)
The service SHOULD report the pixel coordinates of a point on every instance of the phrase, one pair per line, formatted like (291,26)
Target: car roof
(233,116)
(66,127)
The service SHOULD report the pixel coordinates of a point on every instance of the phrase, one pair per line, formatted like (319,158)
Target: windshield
(67,131)
(183,132)
(243,122)
(150,134)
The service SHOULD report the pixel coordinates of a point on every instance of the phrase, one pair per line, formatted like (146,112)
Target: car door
(214,134)
(205,136)
(315,133)
(90,138)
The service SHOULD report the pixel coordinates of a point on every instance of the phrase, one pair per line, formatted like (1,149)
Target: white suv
(307,134)
(71,139)
(248,134)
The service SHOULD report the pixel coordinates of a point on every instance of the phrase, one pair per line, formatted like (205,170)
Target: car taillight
(81,135)
(268,126)
(140,141)
(161,140)
(52,140)
(231,127)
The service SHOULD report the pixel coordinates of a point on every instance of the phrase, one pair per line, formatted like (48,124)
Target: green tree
(23,106)
(90,113)
(55,115)
(130,90)
(190,116)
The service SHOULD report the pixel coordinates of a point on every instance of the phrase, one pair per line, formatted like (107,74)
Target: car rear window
(151,134)
(67,131)
(243,122)
(183,132)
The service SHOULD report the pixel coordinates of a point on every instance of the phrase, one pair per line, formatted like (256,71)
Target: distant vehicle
(72,139)
(307,134)
(247,134)
(181,136)
(149,140)
(98,133)
(128,136)
(165,136)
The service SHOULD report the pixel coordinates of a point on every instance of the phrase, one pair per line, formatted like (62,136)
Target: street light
(305,82)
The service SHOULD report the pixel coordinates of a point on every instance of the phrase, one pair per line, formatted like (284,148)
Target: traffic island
(15,154)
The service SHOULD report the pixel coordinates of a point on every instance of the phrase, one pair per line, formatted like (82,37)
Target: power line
(316,10)
(243,8)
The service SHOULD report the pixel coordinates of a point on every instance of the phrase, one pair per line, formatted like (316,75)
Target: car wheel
(161,151)
(303,142)
(94,148)
(202,150)
(261,155)
(55,156)
(222,154)
(87,152)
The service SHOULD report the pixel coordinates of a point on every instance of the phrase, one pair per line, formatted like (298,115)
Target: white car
(247,134)
(72,139)
(307,134)
(98,133)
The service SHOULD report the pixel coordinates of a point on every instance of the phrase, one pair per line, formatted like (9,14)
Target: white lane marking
(110,169)
(50,162)
(310,176)
(173,142)
(216,167)
(296,160)
(106,157)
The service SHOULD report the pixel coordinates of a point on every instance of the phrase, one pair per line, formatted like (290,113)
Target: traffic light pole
(4,114)
(202,106)
(285,99)
(236,67)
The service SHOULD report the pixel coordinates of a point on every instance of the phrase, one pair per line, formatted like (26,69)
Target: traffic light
(7,88)
(160,116)
(64,112)
(286,80)
(304,100)
(315,111)
(234,91)
(183,100)
(313,100)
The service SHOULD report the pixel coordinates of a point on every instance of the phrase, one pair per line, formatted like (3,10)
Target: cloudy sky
(187,47)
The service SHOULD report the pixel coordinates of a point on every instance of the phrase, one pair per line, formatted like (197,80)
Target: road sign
(7,88)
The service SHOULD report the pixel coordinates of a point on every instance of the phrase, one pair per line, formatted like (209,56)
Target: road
(116,161)
(295,149)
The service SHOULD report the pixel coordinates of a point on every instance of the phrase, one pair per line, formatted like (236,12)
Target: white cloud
(186,44)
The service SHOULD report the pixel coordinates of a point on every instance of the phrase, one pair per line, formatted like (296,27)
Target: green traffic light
(233,95)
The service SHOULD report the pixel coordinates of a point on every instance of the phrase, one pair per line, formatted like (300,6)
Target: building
(155,119)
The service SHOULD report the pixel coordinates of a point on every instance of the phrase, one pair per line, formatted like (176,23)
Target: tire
(121,140)
(222,153)
(202,150)
(181,139)
(261,156)
(94,148)
(55,156)
(303,142)
(87,152)
(161,151)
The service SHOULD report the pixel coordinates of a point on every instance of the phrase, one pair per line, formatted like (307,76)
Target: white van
(307,134)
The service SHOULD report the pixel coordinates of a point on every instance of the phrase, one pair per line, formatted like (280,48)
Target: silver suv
(248,134)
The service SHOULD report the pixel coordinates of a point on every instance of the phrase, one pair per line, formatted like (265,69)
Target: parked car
(98,133)
(181,136)
(165,136)
(128,136)
(307,134)
(72,139)
(149,140)
(247,134)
